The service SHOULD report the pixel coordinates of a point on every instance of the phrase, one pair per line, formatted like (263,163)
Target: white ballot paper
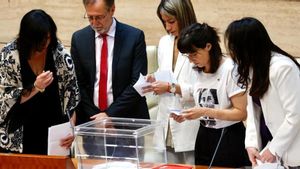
(261,165)
(140,84)
(175,111)
(55,134)
(165,76)
(268,166)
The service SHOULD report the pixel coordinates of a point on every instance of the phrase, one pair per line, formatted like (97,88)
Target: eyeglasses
(97,18)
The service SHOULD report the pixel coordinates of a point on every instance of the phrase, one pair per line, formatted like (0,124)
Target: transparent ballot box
(118,143)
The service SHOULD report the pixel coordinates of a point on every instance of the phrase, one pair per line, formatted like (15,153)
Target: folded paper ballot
(165,76)
(261,165)
(175,111)
(55,134)
(138,86)
(269,166)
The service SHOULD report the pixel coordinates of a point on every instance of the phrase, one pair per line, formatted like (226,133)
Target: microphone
(217,147)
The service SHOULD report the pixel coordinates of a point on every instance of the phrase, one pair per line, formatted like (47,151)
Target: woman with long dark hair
(272,76)
(38,86)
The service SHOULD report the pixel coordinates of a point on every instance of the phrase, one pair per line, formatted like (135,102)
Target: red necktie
(103,75)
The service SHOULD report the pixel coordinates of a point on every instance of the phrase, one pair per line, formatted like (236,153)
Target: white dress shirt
(110,44)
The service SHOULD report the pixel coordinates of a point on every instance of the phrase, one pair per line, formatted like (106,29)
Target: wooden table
(194,167)
(27,161)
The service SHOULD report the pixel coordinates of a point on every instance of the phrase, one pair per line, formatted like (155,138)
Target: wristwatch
(173,88)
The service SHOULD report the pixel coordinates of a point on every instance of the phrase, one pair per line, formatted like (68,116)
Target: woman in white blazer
(179,137)
(273,76)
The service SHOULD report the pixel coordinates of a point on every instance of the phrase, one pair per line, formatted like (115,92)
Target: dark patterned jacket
(11,88)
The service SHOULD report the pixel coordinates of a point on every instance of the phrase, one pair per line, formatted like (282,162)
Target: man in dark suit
(126,58)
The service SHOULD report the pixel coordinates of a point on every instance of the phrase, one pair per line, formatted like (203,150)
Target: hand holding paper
(157,83)
(163,82)
(175,111)
(275,164)
(268,166)
(176,114)
(140,84)
(56,133)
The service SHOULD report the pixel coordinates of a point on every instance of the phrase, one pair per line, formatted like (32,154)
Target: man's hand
(99,116)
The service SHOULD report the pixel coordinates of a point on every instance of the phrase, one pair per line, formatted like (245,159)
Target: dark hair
(35,27)
(250,46)
(197,36)
(182,10)
(109,3)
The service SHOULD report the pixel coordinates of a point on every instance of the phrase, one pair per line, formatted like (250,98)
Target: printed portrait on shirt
(208,98)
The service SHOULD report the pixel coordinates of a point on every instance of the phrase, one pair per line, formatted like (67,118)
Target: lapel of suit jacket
(179,64)
(180,59)
(168,57)
(91,54)
(117,48)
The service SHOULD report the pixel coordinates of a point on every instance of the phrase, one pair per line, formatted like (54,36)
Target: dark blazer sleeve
(129,60)
(81,47)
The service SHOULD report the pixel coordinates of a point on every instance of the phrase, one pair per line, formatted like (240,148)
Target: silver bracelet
(37,88)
